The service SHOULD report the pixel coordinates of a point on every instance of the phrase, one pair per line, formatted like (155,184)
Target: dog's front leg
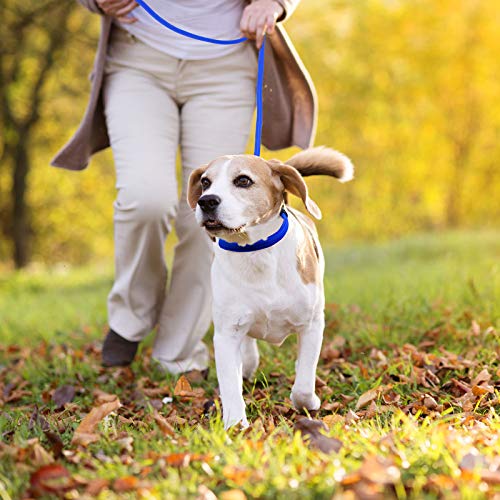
(229,374)
(303,391)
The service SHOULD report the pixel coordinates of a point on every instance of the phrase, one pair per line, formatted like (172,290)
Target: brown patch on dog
(266,197)
(293,183)
(194,186)
(307,249)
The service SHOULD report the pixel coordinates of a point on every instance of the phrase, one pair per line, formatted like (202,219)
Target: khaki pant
(154,103)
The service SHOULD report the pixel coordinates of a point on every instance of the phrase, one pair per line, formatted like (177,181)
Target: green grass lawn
(412,326)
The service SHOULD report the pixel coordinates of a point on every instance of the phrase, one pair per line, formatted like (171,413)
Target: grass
(412,319)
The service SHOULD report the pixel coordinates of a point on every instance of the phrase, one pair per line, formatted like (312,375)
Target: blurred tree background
(408,89)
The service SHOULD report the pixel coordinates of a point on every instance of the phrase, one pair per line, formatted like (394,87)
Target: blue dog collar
(261,244)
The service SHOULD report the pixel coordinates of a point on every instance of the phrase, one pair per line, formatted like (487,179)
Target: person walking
(154,91)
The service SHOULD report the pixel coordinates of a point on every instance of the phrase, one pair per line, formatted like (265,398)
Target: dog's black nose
(209,202)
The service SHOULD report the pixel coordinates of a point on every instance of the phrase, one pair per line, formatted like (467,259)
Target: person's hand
(118,9)
(260,18)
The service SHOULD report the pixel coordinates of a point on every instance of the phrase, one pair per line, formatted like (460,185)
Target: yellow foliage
(409,90)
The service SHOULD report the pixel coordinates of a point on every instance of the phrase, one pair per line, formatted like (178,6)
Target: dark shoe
(117,351)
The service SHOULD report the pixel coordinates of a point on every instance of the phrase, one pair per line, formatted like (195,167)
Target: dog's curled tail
(323,161)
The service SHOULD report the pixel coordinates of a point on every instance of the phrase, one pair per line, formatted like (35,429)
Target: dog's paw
(305,400)
(232,422)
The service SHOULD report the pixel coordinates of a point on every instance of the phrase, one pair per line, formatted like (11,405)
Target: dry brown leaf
(238,475)
(232,495)
(40,456)
(176,420)
(103,397)
(163,424)
(482,376)
(205,493)
(84,433)
(391,397)
(52,478)
(153,392)
(62,395)
(331,420)
(491,477)
(178,459)
(95,486)
(56,443)
(127,483)
(480,390)
(429,402)
(351,417)
(372,410)
(378,470)
(196,376)
(182,386)
(351,479)
(472,460)
(311,429)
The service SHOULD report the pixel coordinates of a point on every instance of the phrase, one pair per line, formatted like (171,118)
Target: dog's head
(233,193)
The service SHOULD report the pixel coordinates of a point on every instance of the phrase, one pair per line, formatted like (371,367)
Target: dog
(267,272)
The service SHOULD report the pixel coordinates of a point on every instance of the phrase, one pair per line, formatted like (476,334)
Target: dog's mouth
(216,226)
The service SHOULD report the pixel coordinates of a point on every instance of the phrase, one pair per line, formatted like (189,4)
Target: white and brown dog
(267,273)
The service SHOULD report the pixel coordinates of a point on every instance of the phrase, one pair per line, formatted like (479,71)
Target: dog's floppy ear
(294,183)
(194,186)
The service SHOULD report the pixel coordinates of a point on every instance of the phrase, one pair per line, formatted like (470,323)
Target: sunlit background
(410,90)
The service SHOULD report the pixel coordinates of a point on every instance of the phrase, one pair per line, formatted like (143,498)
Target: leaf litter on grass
(369,394)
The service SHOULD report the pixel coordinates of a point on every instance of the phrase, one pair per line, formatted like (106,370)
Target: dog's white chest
(264,296)
(276,324)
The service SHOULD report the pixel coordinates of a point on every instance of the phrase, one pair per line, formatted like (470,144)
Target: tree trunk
(20,225)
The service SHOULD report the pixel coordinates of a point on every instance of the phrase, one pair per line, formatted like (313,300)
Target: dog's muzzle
(209,203)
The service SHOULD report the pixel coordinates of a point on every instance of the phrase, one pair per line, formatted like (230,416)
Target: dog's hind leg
(250,357)
(303,391)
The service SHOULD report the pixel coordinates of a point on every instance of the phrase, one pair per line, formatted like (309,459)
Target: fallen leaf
(196,376)
(56,443)
(127,483)
(103,397)
(205,493)
(378,470)
(372,410)
(238,475)
(52,478)
(482,376)
(391,397)
(429,402)
(490,476)
(472,460)
(40,456)
(182,386)
(178,459)
(232,495)
(163,424)
(95,486)
(330,420)
(366,398)
(84,433)
(311,429)
(351,417)
(62,395)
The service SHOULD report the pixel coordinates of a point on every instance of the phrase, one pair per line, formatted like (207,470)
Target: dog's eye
(242,181)
(205,183)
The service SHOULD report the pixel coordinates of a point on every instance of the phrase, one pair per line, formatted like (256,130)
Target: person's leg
(219,98)
(143,126)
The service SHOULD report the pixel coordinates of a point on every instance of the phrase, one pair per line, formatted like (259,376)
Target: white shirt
(218,19)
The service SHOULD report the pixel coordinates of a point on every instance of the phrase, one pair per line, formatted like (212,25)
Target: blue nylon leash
(260,71)
(261,244)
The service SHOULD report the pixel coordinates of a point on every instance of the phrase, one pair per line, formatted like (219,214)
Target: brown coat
(290,107)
